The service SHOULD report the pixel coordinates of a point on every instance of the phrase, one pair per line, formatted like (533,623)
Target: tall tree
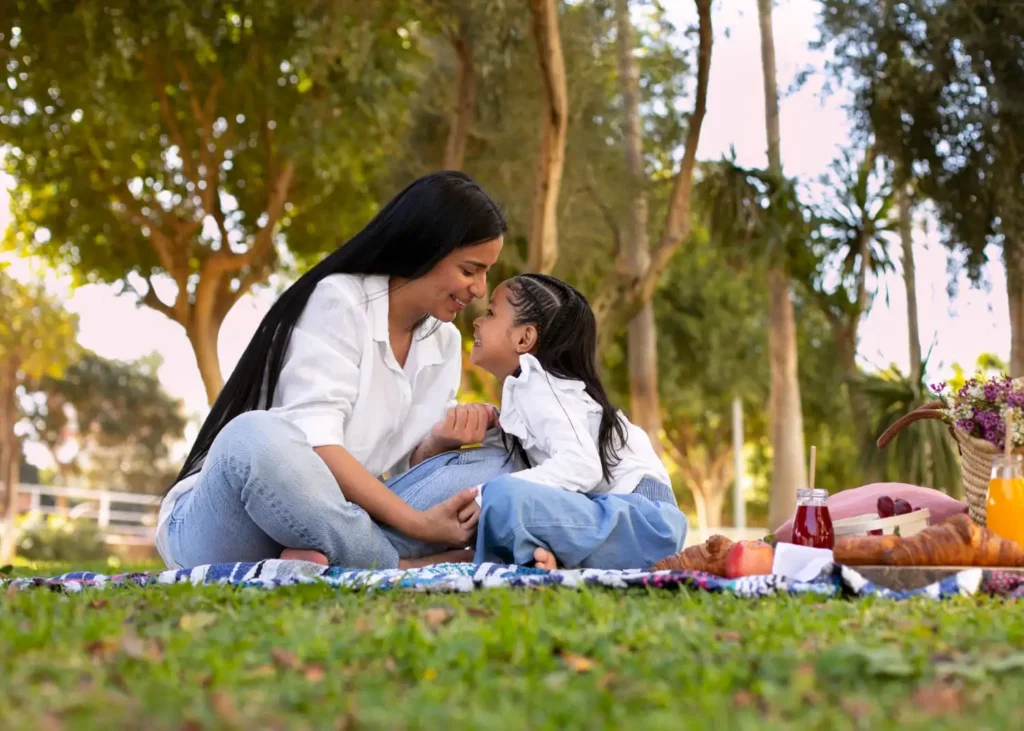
(789,473)
(547,182)
(118,417)
(642,347)
(37,336)
(854,225)
(176,147)
(625,293)
(905,214)
(955,126)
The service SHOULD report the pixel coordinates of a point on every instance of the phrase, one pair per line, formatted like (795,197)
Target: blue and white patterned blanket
(837,581)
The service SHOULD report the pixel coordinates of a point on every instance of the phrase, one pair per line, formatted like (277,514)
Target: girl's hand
(452,523)
(463,424)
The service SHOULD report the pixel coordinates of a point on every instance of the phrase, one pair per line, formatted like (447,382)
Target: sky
(814,127)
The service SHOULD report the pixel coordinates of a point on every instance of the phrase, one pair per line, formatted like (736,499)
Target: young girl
(592,492)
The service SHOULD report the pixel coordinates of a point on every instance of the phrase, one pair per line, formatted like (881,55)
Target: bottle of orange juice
(1004,509)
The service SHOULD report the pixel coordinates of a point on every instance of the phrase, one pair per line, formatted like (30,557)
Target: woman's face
(456,280)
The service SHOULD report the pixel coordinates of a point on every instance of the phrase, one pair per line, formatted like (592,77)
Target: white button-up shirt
(558,424)
(341,384)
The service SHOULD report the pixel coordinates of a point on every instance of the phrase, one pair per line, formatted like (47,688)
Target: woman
(352,374)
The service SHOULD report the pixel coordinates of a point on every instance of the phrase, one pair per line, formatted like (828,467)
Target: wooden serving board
(903,578)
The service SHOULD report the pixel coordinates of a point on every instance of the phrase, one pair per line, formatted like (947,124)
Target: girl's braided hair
(567,348)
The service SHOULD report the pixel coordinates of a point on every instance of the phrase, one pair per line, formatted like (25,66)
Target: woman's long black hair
(432,217)
(567,348)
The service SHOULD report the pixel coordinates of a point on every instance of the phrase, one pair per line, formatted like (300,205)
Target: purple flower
(990,435)
(939,387)
(966,425)
(991,391)
(1015,399)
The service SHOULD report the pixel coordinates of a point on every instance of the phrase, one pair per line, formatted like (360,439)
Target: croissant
(863,550)
(709,556)
(957,541)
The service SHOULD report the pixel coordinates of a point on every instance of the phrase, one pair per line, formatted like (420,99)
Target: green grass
(313,657)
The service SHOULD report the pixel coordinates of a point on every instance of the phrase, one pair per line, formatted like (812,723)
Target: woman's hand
(463,424)
(452,523)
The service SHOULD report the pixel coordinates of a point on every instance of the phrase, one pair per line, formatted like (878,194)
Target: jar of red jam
(812,525)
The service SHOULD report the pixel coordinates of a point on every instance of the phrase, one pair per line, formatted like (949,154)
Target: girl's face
(497,340)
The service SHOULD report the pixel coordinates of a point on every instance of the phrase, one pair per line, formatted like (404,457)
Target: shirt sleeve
(558,425)
(319,379)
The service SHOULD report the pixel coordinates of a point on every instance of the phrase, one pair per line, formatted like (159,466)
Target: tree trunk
(10,463)
(465,103)
(645,410)
(203,337)
(543,242)
(1014,263)
(789,472)
(906,213)
(620,294)
(709,500)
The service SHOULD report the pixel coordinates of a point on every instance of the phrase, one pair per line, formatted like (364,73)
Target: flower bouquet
(976,415)
(980,407)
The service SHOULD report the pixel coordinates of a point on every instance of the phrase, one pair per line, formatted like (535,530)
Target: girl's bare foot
(459,556)
(296,554)
(544,559)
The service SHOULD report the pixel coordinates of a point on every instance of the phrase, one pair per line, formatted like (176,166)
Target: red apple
(749,558)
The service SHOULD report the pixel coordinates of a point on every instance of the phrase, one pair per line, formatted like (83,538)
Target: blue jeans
(263,488)
(582,531)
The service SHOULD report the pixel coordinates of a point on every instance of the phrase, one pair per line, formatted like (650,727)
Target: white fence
(124,517)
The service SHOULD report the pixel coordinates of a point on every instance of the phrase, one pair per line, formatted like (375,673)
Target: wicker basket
(975,457)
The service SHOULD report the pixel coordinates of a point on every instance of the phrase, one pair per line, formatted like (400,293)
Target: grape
(902,506)
(886,508)
(915,509)
(875,532)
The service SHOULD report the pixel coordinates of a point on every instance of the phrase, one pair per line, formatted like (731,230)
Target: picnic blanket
(834,581)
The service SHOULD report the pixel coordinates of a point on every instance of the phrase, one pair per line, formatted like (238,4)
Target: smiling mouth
(459,304)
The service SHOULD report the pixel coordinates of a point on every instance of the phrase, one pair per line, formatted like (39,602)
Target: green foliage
(852,235)
(52,538)
(149,138)
(37,335)
(937,84)
(120,417)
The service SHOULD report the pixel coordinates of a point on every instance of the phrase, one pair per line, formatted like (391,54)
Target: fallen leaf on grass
(285,659)
(196,621)
(578,663)
(605,680)
(438,616)
(261,671)
(50,722)
(104,648)
(728,636)
(938,699)
(390,665)
(98,604)
(315,673)
(477,612)
(744,698)
(224,706)
(858,708)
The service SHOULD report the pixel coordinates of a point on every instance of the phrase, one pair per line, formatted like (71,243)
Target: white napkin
(800,562)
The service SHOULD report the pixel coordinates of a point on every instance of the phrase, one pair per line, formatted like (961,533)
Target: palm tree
(924,453)
(854,230)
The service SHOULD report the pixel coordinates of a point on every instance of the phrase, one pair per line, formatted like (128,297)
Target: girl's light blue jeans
(263,488)
(582,531)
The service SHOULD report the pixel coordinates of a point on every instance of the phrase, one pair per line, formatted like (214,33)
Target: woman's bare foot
(459,556)
(297,554)
(544,559)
